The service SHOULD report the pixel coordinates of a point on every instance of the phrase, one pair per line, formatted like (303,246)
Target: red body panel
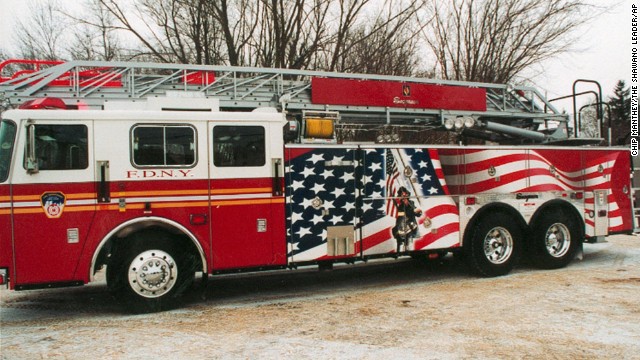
(45,255)
(396,94)
(6,249)
(245,224)
(620,181)
(173,200)
(236,208)
(43,252)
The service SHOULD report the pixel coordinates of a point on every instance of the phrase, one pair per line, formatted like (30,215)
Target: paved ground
(391,309)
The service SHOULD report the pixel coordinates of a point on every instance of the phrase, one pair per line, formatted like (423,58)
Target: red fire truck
(158,172)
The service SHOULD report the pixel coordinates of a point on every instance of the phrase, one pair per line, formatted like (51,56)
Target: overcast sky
(603,53)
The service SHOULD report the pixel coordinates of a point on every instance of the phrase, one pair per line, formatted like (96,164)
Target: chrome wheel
(558,240)
(152,273)
(556,237)
(498,245)
(493,243)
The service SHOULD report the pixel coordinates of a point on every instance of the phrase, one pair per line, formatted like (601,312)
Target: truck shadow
(95,300)
(246,289)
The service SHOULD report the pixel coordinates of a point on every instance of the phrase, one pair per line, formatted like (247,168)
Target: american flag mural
(358,187)
(391,182)
(418,171)
(477,171)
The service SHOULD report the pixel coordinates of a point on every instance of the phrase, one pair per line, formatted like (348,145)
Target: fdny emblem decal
(53,204)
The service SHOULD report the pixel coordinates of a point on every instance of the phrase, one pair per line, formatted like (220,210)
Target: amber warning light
(319,128)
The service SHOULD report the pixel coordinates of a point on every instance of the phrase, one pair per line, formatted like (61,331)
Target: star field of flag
(311,176)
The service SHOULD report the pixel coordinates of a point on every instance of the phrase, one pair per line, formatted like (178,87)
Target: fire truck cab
(163,174)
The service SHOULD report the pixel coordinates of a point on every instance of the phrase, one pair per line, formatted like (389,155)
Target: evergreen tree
(620,104)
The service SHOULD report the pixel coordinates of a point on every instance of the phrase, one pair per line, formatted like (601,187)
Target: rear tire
(555,240)
(494,245)
(150,272)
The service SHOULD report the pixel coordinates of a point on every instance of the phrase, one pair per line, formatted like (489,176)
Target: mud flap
(580,252)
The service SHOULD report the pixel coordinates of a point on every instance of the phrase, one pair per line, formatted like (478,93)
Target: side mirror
(31,162)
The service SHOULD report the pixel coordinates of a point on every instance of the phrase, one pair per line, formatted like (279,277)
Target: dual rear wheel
(496,242)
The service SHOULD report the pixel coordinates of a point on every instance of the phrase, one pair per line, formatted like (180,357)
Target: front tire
(148,273)
(494,245)
(555,240)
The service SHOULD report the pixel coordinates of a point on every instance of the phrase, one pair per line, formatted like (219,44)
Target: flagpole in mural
(407,172)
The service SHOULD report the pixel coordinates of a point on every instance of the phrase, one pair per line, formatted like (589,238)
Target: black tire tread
(538,253)
(127,250)
(473,252)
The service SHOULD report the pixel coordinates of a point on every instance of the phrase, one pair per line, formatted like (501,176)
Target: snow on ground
(387,309)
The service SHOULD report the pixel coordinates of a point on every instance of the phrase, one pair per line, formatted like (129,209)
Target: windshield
(7,137)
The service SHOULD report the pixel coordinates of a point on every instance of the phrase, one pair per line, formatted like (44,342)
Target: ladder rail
(100,80)
(174,75)
(250,91)
(94,82)
(71,66)
(215,83)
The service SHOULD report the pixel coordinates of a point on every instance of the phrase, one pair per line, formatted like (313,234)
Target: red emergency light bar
(44,103)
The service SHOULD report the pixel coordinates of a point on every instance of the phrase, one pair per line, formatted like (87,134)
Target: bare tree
(94,38)
(495,40)
(487,41)
(127,18)
(347,17)
(387,44)
(289,33)
(236,25)
(41,35)
(3,54)
(294,34)
(186,31)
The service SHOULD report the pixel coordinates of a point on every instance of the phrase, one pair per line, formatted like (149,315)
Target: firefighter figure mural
(406,224)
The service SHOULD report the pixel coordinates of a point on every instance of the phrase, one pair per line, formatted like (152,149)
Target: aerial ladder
(499,113)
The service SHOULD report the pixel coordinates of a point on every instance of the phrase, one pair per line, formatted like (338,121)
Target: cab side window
(166,145)
(61,147)
(238,146)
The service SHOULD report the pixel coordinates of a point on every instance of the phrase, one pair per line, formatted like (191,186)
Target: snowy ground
(392,309)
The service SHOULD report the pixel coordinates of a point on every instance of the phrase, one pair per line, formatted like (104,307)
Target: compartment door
(247,197)
(601,212)
(321,203)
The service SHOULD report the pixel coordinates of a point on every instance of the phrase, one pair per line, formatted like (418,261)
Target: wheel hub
(558,240)
(153,273)
(498,245)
